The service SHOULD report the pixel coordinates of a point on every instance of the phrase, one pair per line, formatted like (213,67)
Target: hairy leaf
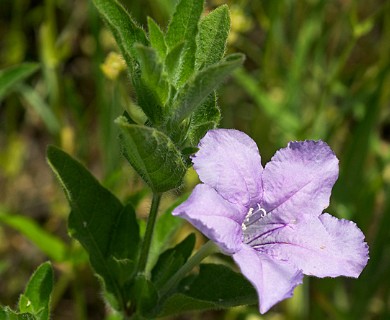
(153,155)
(107,230)
(212,37)
(184,27)
(124,29)
(156,38)
(205,118)
(172,62)
(127,33)
(202,84)
(152,74)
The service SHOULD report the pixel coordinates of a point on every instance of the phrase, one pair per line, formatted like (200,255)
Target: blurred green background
(315,69)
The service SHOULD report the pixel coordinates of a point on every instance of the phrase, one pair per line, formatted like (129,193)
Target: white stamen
(253,215)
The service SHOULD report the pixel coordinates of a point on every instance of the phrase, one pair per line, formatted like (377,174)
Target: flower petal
(273,280)
(216,218)
(321,246)
(229,161)
(349,240)
(298,180)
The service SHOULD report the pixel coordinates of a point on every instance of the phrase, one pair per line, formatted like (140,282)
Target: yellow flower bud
(113,65)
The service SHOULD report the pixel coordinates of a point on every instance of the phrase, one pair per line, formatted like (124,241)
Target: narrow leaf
(36,298)
(124,29)
(212,37)
(55,248)
(153,155)
(156,38)
(216,287)
(184,21)
(152,74)
(10,76)
(202,84)
(171,260)
(184,27)
(172,62)
(204,118)
(127,33)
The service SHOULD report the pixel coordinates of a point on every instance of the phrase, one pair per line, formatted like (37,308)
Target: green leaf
(212,37)
(153,155)
(216,287)
(126,32)
(124,245)
(54,247)
(156,38)
(36,297)
(202,84)
(171,260)
(107,230)
(172,62)
(124,242)
(204,118)
(11,76)
(144,294)
(184,27)
(149,103)
(152,75)
(184,22)
(7,314)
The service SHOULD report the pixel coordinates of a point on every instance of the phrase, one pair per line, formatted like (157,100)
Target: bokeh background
(315,69)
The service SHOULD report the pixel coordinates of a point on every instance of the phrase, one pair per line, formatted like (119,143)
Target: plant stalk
(207,249)
(143,259)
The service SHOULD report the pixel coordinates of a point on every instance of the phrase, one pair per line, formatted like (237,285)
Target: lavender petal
(229,161)
(299,179)
(216,218)
(273,280)
(321,246)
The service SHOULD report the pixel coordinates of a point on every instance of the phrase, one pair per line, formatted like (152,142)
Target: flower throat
(253,215)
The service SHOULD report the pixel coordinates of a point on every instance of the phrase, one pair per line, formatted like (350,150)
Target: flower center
(253,215)
(259,227)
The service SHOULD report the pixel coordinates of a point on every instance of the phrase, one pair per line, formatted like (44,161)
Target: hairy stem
(143,259)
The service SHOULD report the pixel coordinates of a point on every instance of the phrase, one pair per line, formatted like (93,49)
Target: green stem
(207,249)
(143,259)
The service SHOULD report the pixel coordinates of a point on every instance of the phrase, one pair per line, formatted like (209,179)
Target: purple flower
(270,219)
